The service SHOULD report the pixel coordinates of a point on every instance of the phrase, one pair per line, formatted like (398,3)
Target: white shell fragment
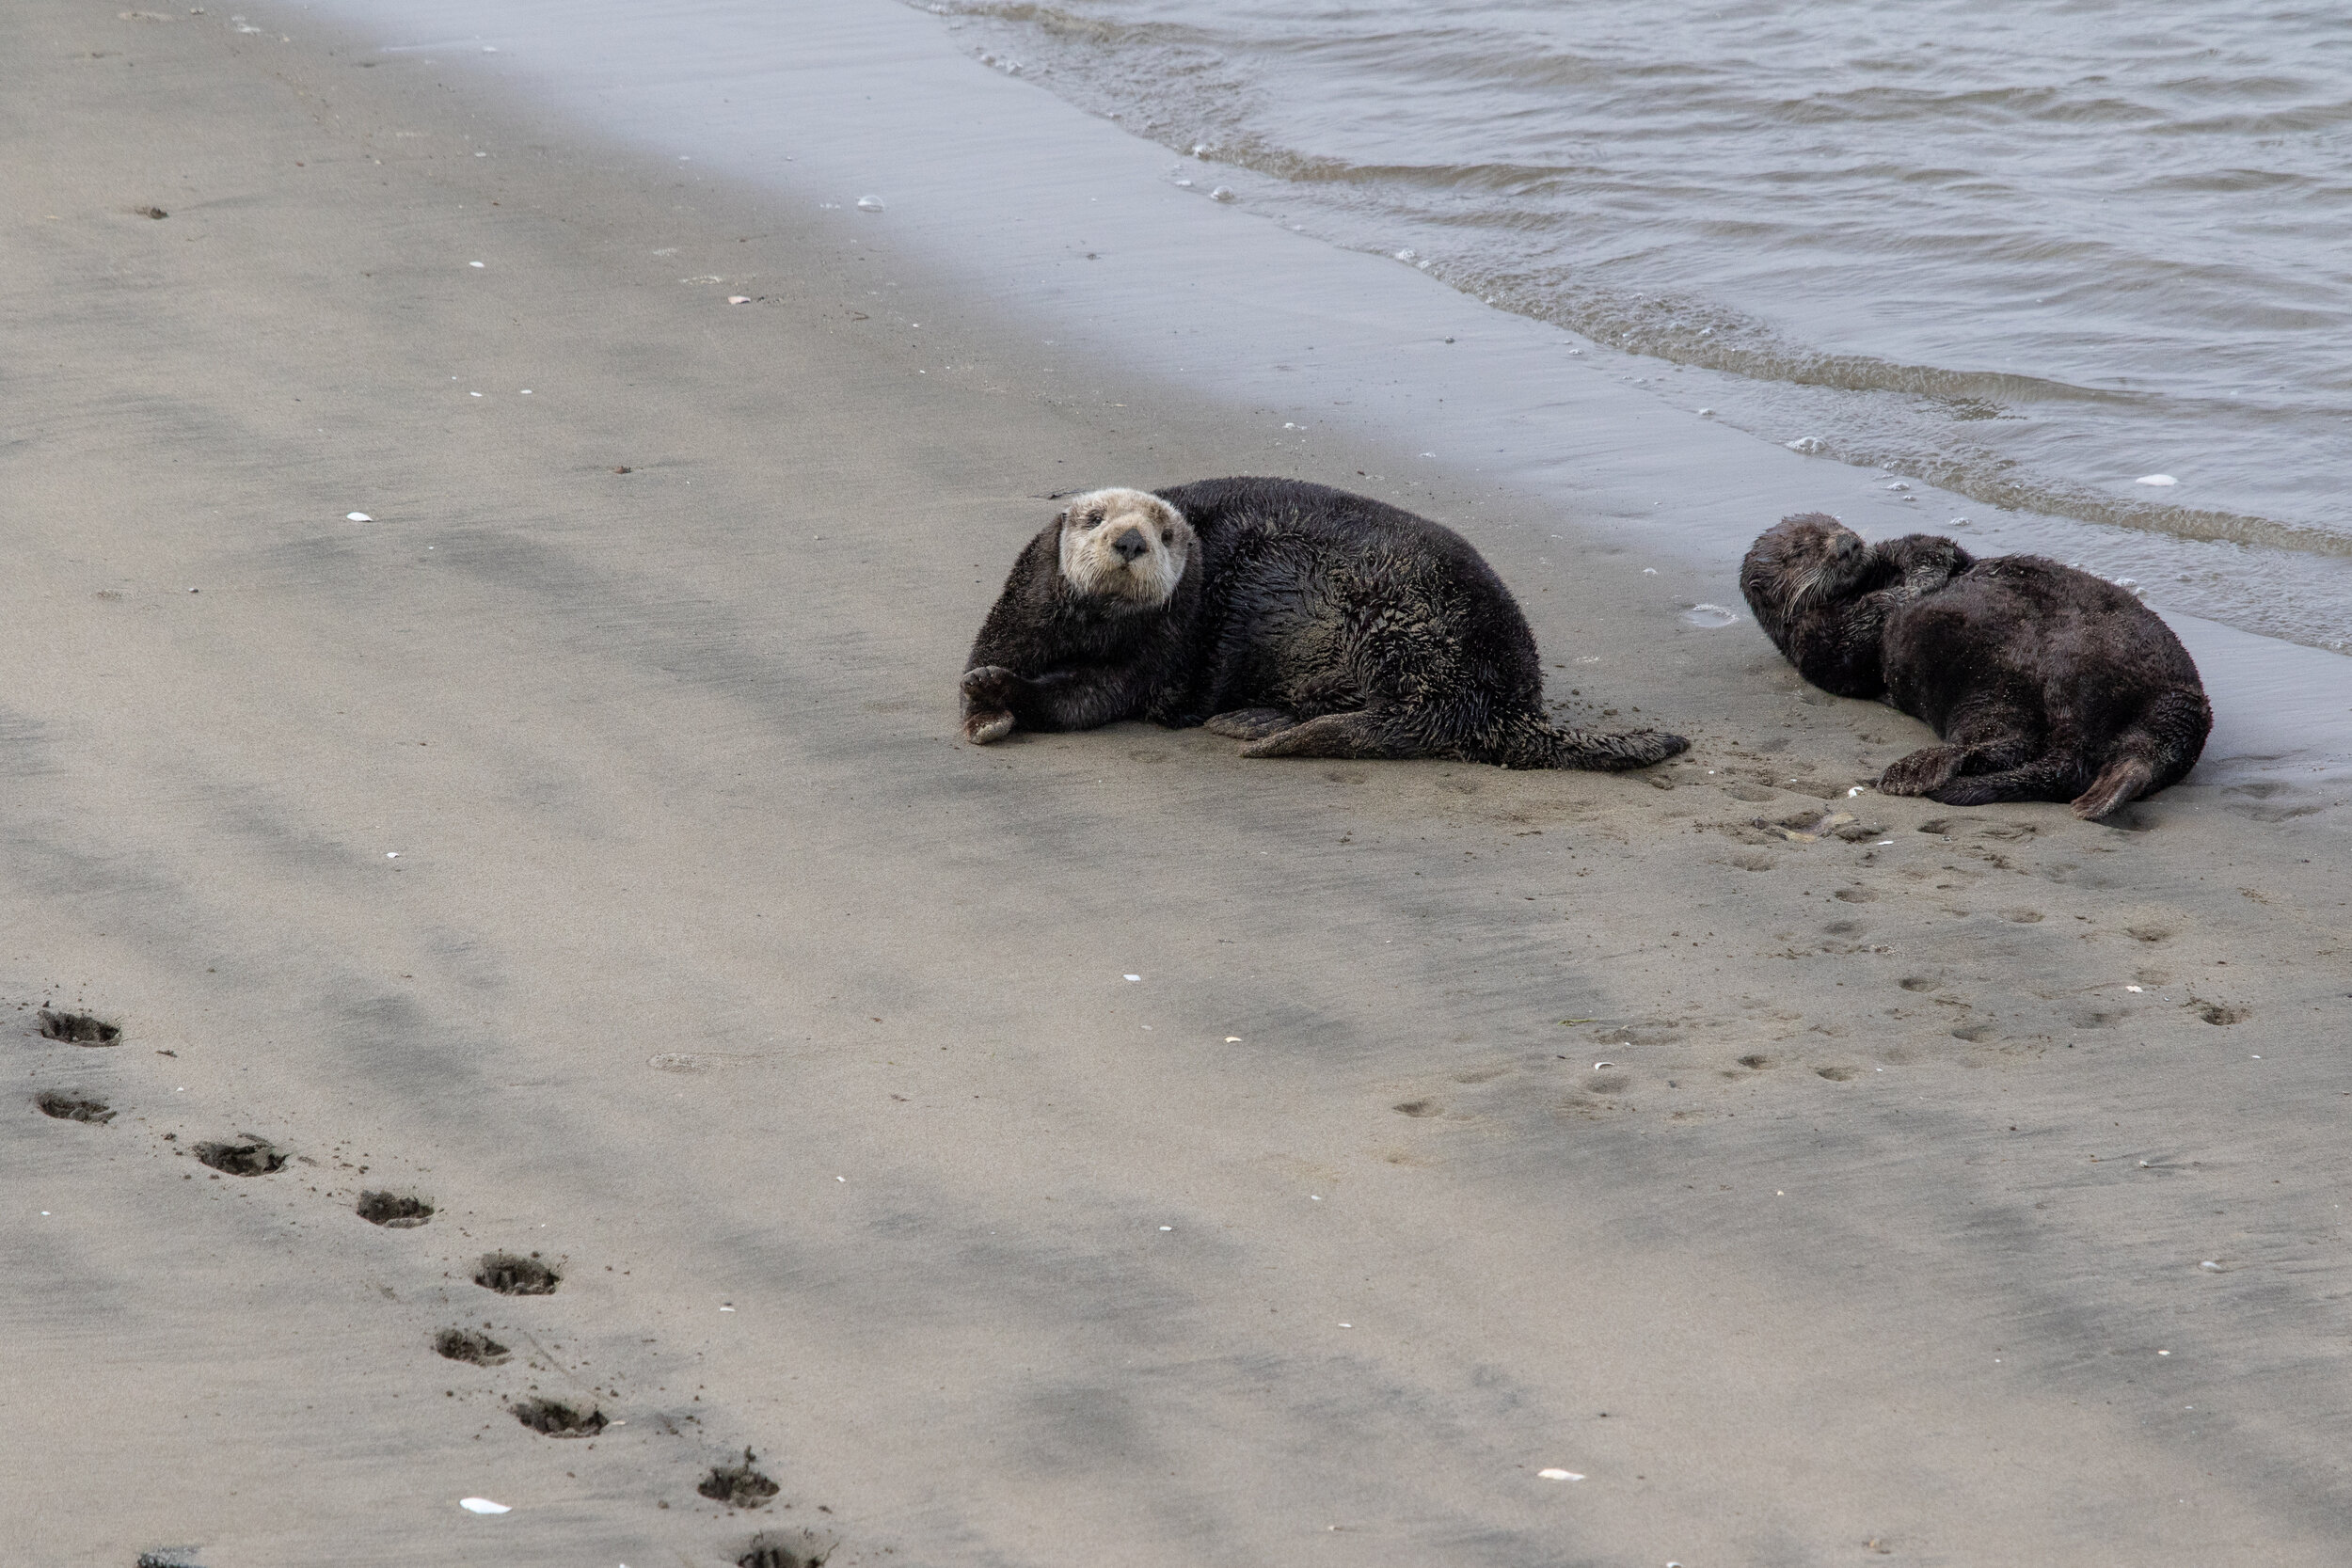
(483,1505)
(1558,1475)
(357,518)
(869,204)
(2155,479)
(1131,976)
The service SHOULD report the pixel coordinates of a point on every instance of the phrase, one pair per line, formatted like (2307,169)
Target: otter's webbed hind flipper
(1536,744)
(2153,753)
(1249,723)
(1364,734)
(2052,777)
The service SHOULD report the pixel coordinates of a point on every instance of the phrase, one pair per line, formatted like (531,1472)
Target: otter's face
(1803,560)
(1127,547)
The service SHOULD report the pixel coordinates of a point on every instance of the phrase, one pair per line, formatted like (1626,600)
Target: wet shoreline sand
(589,854)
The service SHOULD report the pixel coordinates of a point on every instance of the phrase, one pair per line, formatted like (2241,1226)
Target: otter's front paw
(1922,772)
(990,687)
(987,702)
(981,728)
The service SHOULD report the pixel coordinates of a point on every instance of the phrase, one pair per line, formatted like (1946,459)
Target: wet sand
(589,854)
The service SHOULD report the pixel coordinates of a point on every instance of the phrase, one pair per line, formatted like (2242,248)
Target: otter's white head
(1127,546)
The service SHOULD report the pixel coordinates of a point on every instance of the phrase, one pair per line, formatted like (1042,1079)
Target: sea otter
(2045,683)
(1303,620)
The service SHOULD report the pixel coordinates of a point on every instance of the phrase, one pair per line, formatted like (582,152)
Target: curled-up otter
(2045,683)
(1302,620)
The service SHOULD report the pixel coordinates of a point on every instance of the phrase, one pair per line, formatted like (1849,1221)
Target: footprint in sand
(511,1275)
(67,1107)
(78,1028)
(556,1419)
(252,1157)
(465,1344)
(799,1549)
(740,1485)
(395,1211)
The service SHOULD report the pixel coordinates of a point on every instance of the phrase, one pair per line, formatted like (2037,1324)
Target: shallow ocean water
(2032,253)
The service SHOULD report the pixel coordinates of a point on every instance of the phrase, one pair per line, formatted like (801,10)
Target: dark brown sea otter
(2043,682)
(1306,621)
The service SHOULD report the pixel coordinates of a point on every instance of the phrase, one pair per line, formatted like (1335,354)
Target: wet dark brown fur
(1307,622)
(2045,683)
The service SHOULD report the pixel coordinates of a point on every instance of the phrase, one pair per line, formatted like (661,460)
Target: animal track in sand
(558,1419)
(253,1157)
(1834,1074)
(738,1485)
(1756,1063)
(1973,1032)
(398,1211)
(510,1276)
(66,1107)
(1919,982)
(800,1550)
(1419,1107)
(2212,1012)
(1857,895)
(465,1344)
(78,1028)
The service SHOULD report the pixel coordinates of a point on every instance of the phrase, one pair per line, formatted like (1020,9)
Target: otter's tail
(2153,753)
(1534,743)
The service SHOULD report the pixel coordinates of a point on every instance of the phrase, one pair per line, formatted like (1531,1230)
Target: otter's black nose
(1130,543)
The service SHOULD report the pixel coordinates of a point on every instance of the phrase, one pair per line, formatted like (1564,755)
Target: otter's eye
(1093,519)
(1168,536)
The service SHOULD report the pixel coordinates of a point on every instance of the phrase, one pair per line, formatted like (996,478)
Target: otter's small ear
(1063,515)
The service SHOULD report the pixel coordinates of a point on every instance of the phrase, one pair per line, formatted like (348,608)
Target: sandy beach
(1092,1150)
